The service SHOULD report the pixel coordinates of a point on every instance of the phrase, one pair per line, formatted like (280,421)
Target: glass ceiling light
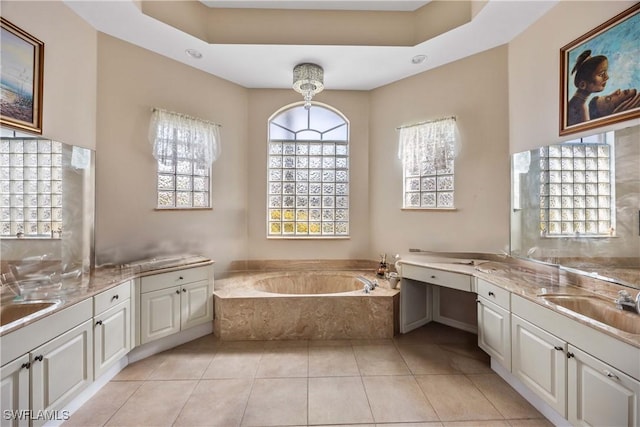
(308,79)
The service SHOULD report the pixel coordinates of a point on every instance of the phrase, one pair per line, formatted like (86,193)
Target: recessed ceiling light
(193,53)
(418,59)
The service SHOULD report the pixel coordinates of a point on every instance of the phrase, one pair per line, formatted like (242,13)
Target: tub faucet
(369,285)
(625,302)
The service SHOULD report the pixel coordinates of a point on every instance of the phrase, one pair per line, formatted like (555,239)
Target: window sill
(182,209)
(430,209)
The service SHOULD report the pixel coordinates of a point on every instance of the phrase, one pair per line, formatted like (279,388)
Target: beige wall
(355,106)
(131,81)
(475,91)
(70,61)
(534,61)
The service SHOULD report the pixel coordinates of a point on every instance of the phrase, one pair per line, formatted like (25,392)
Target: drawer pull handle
(181,278)
(478,301)
(570,355)
(611,375)
(38,358)
(184,290)
(26,365)
(557,347)
(99,322)
(114,297)
(433,277)
(491,294)
(178,291)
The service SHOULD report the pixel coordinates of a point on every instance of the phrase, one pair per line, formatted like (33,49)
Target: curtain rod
(186,116)
(426,122)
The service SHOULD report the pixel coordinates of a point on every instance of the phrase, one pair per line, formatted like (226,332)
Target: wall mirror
(577,204)
(46,213)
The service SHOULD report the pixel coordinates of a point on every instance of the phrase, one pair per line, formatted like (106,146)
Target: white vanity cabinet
(14,386)
(61,368)
(175,301)
(112,327)
(494,322)
(539,361)
(599,394)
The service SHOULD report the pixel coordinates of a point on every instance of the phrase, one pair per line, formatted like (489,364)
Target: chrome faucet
(369,285)
(625,302)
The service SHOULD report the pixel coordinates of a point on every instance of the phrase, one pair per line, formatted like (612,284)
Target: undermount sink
(597,309)
(17,312)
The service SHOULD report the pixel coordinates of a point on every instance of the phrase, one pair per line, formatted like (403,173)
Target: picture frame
(21,79)
(600,75)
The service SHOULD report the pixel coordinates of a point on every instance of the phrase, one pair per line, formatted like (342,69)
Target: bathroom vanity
(51,359)
(575,362)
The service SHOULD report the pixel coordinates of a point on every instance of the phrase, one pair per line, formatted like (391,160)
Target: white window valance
(428,145)
(175,135)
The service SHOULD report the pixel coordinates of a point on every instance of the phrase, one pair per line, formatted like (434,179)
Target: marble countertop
(103,278)
(530,280)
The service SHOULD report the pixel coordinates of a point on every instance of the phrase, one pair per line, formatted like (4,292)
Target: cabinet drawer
(437,277)
(494,293)
(173,278)
(111,297)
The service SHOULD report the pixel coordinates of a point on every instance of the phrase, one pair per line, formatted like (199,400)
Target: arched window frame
(307,173)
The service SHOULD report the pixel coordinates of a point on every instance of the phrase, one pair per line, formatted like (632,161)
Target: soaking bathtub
(312,305)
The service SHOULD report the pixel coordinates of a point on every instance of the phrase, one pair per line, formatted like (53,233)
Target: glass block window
(308,174)
(576,190)
(427,152)
(30,188)
(182,182)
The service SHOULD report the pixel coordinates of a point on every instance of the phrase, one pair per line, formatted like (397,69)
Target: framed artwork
(600,75)
(22,57)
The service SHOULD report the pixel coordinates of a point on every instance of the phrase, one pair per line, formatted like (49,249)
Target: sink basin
(598,309)
(17,312)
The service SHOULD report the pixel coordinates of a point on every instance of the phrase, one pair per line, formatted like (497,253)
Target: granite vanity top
(105,277)
(530,280)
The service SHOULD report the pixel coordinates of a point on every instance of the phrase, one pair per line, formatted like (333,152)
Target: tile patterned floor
(434,376)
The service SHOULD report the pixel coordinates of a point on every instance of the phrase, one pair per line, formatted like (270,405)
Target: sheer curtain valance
(175,135)
(428,145)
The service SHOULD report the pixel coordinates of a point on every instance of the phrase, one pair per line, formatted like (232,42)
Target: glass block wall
(308,174)
(182,184)
(429,187)
(30,188)
(576,191)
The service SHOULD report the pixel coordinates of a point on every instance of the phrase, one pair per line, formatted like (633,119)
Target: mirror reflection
(46,215)
(577,203)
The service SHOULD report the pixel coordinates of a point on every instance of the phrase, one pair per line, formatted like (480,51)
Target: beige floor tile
(142,369)
(429,424)
(455,398)
(216,403)
(277,402)
(242,345)
(380,360)
(284,362)
(397,399)
(437,333)
(427,359)
(329,343)
(492,423)
(206,344)
(506,400)
(285,344)
(542,422)
(338,400)
(233,363)
(372,342)
(182,365)
(105,403)
(336,361)
(155,403)
(469,349)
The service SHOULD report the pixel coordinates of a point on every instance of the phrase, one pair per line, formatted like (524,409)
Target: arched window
(308,173)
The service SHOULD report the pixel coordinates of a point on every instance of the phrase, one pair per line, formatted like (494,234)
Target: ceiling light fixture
(308,79)
(418,59)
(196,54)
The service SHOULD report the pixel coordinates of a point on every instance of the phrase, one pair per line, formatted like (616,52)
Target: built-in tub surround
(321,304)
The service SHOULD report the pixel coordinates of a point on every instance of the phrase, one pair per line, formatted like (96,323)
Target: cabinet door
(600,395)
(539,361)
(111,337)
(197,304)
(61,368)
(159,314)
(494,331)
(415,304)
(14,388)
